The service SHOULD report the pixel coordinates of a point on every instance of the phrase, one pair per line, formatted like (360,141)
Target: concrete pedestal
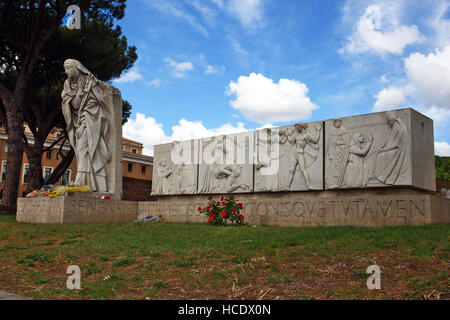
(375,207)
(74,208)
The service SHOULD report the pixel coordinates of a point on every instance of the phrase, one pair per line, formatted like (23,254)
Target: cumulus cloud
(147,130)
(380,33)
(129,76)
(389,99)
(179,69)
(430,76)
(263,101)
(442,148)
(427,82)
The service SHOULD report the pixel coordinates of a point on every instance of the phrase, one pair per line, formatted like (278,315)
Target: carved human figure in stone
(162,185)
(88,119)
(352,175)
(178,178)
(337,150)
(300,138)
(265,157)
(228,177)
(210,181)
(391,156)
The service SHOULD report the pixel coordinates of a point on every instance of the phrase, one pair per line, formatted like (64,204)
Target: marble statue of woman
(88,125)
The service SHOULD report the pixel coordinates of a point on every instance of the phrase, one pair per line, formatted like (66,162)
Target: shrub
(223,212)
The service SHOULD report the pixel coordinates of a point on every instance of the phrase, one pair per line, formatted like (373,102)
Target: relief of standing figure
(300,138)
(390,161)
(337,151)
(353,175)
(88,125)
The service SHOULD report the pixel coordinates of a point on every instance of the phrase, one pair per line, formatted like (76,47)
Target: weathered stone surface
(10,296)
(93,113)
(289,158)
(74,208)
(365,207)
(226,164)
(393,148)
(175,168)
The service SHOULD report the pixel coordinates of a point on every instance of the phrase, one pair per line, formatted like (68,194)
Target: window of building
(130,167)
(65,178)
(26,169)
(134,151)
(49,154)
(56,156)
(58,135)
(1,193)
(3,170)
(47,172)
(6,147)
(143,168)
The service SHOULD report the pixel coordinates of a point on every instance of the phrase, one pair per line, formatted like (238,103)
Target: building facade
(137,168)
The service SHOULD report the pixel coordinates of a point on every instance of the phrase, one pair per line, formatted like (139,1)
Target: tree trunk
(62,167)
(14,159)
(35,177)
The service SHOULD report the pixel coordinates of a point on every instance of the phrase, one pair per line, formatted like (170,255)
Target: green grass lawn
(198,261)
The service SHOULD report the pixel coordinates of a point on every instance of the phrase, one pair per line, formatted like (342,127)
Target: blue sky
(211,67)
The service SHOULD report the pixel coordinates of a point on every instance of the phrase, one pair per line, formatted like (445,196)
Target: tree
(443,168)
(26,27)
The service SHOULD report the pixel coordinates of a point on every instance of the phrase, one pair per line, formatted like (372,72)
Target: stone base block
(375,207)
(74,209)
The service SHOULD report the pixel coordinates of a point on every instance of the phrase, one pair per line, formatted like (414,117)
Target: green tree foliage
(443,168)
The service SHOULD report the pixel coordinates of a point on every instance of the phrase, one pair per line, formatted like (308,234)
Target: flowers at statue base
(223,212)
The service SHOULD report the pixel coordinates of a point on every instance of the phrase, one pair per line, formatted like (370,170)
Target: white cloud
(384,79)
(430,77)
(179,69)
(208,14)
(212,69)
(145,130)
(148,131)
(388,99)
(261,100)
(439,115)
(442,148)
(130,76)
(441,25)
(248,12)
(219,3)
(380,32)
(242,53)
(154,83)
(171,9)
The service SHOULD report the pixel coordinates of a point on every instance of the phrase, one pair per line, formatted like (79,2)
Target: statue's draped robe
(88,128)
(389,164)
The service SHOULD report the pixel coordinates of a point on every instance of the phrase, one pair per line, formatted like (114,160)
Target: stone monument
(93,113)
(369,170)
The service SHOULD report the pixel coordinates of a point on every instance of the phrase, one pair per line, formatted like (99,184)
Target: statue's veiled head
(73,68)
